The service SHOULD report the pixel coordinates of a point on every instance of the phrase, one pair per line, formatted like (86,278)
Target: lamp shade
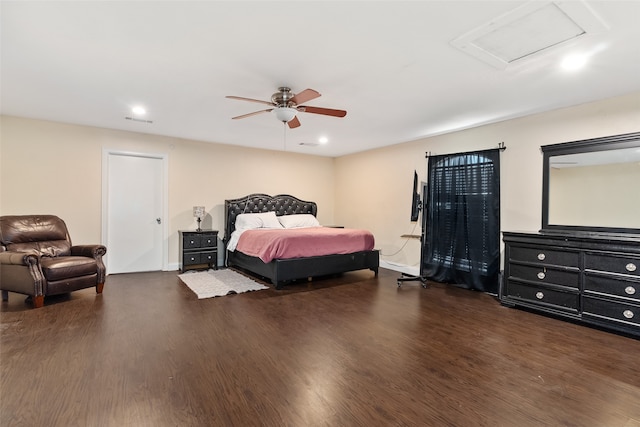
(285,114)
(198,212)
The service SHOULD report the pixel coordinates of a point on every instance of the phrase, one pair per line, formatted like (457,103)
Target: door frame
(106,152)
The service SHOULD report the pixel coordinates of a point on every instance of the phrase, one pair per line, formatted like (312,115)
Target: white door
(134,212)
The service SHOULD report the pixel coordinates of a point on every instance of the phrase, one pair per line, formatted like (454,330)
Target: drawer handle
(192,242)
(539,295)
(628,314)
(629,290)
(541,256)
(541,275)
(631,267)
(193,258)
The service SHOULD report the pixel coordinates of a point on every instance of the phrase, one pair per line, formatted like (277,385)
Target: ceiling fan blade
(324,111)
(253,114)
(294,123)
(240,98)
(304,96)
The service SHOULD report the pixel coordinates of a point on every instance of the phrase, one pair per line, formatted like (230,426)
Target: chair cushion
(66,267)
(49,248)
(46,234)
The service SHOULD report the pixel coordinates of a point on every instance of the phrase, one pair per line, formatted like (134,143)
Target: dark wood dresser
(588,277)
(198,249)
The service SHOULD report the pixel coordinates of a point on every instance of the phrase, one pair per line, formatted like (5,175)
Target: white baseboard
(402,268)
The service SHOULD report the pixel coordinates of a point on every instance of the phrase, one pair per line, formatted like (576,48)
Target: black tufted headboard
(282,204)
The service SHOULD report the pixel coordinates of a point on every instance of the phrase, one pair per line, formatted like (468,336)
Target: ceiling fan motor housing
(283,97)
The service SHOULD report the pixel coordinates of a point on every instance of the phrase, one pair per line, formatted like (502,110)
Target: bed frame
(280,271)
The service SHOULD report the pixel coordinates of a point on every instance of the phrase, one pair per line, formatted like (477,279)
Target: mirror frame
(628,140)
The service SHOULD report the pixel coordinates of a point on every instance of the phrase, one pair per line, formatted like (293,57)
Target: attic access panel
(529,30)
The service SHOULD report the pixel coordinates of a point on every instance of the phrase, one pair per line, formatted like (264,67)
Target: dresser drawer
(612,263)
(545,275)
(544,255)
(191,241)
(542,295)
(612,286)
(620,311)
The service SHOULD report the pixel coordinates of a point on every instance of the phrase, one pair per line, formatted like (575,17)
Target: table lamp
(198,213)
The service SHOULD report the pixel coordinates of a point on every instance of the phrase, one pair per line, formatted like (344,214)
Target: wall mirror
(592,185)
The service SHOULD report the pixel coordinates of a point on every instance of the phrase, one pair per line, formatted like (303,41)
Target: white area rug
(216,283)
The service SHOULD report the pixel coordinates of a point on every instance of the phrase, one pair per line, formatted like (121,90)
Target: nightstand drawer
(209,240)
(208,257)
(191,241)
(192,259)
(544,256)
(545,275)
(542,295)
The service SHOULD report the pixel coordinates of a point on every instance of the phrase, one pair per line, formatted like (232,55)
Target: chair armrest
(91,251)
(19,258)
(21,272)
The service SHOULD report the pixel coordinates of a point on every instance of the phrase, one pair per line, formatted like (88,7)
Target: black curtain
(461,223)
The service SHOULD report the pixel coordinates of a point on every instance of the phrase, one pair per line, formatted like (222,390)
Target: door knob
(159,220)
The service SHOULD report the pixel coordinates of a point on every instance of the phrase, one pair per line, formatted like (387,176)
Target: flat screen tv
(415,199)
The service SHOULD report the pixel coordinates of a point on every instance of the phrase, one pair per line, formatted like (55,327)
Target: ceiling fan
(286,105)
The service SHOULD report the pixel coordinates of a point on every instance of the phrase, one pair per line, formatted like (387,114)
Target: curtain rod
(501,147)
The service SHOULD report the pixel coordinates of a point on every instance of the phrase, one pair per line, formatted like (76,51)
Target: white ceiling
(390,64)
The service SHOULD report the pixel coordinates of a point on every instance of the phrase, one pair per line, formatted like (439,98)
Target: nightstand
(198,248)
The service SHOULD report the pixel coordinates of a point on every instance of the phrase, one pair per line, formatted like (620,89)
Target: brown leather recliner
(38,259)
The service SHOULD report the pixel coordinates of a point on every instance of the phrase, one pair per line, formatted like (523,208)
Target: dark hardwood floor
(353,350)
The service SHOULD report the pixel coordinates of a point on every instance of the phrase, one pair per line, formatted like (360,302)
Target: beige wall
(56,168)
(373,188)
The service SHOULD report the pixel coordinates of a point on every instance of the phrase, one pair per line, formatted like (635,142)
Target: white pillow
(298,221)
(257,220)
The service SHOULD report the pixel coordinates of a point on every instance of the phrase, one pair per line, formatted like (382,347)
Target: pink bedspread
(270,244)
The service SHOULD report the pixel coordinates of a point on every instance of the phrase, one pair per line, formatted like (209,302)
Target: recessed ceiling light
(574,62)
(139,110)
(323,140)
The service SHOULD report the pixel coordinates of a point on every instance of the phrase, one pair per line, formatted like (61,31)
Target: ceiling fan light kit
(285,105)
(285,114)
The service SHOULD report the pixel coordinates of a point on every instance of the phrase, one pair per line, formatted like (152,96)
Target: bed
(281,270)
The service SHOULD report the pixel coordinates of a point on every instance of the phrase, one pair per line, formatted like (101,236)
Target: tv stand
(409,278)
